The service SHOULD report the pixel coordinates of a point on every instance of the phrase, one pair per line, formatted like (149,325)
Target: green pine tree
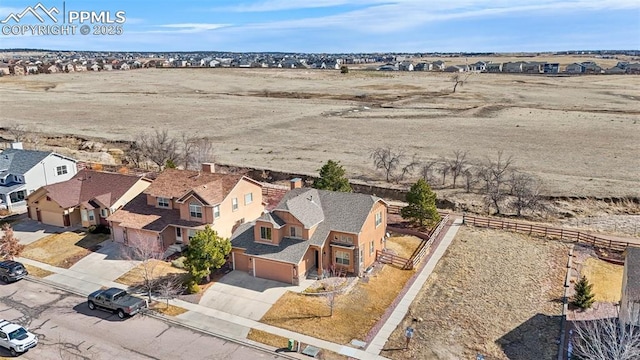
(206,251)
(583,297)
(421,209)
(332,178)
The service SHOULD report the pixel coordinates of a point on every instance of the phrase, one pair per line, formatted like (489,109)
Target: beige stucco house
(312,231)
(86,199)
(630,300)
(181,202)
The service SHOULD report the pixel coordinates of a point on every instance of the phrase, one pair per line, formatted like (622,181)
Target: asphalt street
(67,329)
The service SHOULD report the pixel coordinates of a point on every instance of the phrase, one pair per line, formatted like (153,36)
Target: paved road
(67,329)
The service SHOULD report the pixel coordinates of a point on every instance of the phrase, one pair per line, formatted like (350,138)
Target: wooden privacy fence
(550,232)
(419,253)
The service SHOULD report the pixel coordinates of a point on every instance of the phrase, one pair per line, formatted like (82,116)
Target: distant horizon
(324,26)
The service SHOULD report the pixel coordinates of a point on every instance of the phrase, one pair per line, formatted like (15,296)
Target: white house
(630,299)
(24,171)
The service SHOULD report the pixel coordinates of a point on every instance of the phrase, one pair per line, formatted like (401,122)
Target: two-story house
(180,202)
(312,230)
(86,199)
(24,171)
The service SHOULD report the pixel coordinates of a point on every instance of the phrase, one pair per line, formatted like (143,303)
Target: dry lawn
(64,249)
(170,310)
(494,293)
(605,277)
(37,272)
(354,313)
(295,120)
(280,342)
(403,246)
(158,269)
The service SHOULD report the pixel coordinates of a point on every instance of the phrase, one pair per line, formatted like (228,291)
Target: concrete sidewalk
(377,344)
(236,328)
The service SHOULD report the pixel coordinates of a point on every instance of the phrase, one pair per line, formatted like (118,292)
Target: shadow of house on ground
(536,338)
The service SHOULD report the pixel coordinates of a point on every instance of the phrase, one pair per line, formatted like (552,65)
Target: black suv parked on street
(12,271)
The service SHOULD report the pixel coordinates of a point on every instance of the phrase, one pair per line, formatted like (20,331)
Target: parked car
(117,300)
(12,271)
(15,338)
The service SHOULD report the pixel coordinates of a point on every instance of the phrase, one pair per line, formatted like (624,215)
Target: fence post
(561,234)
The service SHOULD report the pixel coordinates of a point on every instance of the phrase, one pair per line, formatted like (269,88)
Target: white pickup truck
(15,338)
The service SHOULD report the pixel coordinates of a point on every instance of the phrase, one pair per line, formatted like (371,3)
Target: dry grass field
(494,293)
(581,135)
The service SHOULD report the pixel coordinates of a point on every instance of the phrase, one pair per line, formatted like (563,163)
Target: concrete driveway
(28,231)
(241,294)
(105,263)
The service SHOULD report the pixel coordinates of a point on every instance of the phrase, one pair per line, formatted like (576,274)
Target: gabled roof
(289,250)
(273,219)
(87,187)
(341,211)
(18,161)
(180,184)
(632,264)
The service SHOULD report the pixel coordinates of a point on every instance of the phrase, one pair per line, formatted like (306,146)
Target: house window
(163,202)
(378,218)
(295,231)
(178,233)
(195,210)
(234,204)
(342,258)
(192,233)
(61,170)
(216,211)
(92,215)
(104,213)
(371,248)
(265,233)
(248,198)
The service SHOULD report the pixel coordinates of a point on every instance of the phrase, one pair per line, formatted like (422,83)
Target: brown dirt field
(64,249)
(354,312)
(581,135)
(494,293)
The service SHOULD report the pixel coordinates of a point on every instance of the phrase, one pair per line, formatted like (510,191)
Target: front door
(317,255)
(178,235)
(67,220)
(38,215)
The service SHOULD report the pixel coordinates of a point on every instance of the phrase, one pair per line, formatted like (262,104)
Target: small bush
(344,69)
(92,229)
(193,287)
(179,262)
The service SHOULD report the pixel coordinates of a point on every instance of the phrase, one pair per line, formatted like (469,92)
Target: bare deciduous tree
(408,169)
(170,287)
(444,170)
(202,152)
(159,147)
(17,131)
(470,178)
(605,339)
(387,159)
(525,190)
(10,246)
(427,171)
(148,250)
(459,79)
(134,155)
(457,164)
(494,174)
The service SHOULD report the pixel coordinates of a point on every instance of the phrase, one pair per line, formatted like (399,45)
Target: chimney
(208,168)
(17,145)
(296,183)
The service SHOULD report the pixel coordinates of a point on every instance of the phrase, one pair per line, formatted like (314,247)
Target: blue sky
(345,25)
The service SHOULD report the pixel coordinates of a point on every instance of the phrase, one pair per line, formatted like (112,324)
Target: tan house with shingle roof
(84,200)
(181,202)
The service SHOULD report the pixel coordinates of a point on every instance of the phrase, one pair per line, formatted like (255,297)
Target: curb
(169,320)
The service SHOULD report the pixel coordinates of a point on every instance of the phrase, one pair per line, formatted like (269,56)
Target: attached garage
(240,261)
(273,270)
(52,218)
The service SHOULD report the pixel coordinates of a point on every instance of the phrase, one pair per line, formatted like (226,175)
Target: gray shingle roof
(290,250)
(18,161)
(632,261)
(273,219)
(342,211)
